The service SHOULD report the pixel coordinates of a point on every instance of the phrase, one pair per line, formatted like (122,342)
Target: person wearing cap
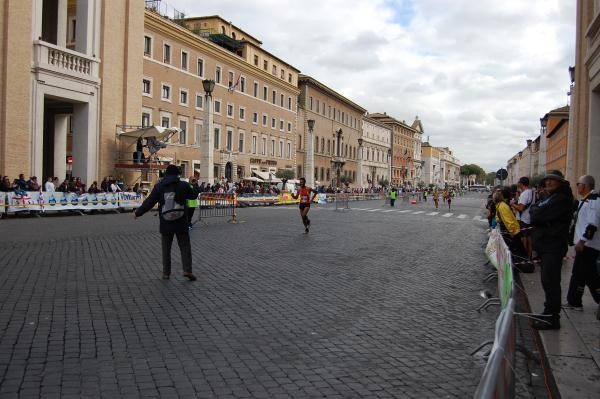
(526,199)
(551,218)
(168,228)
(587,246)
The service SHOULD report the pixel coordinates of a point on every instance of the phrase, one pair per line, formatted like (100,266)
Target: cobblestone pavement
(368,304)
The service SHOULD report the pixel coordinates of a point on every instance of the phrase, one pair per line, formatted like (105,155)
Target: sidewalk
(573,352)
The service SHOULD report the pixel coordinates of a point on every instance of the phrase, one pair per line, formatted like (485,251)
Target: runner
(436,198)
(305,201)
(449,199)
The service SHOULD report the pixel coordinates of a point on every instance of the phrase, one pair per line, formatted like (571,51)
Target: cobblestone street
(368,304)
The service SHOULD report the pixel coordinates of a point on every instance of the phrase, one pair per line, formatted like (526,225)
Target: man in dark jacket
(176,226)
(551,218)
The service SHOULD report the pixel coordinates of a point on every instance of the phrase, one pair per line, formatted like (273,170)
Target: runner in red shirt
(305,200)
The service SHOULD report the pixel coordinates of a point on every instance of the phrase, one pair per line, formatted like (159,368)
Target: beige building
(432,172)
(252,114)
(449,167)
(374,153)
(327,154)
(69,73)
(584,121)
(406,149)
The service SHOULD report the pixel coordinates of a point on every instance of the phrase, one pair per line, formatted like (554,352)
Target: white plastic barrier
(58,201)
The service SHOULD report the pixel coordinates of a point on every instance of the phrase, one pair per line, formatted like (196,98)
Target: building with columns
(68,76)
(328,154)
(449,167)
(374,153)
(584,121)
(406,149)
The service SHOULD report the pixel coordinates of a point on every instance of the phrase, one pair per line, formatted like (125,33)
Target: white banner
(58,201)
(2,202)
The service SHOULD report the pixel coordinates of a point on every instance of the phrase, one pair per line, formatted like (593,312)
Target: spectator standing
(172,193)
(21,183)
(551,219)
(192,203)
(526,199)
(5,185)
(587,246)
(49,185)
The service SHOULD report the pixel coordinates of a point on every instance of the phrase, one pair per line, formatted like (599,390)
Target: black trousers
(584,273)
(183,240)
(550,273)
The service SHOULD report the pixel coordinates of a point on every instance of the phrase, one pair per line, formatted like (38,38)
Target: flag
(233,85)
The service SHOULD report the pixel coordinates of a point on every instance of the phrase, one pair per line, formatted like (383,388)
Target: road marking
(404,211)
(389,210)
(447,215)
(417,212)
(432,213)
(463,216)
(373,210)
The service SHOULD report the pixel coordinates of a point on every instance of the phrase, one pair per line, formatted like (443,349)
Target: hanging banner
(58,201)
(2,202)
(130,200)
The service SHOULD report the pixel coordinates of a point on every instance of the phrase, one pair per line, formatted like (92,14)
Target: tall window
(242,113)
(289,150)
(230,110)
(229,140)
(198,133)
(184,60)
(273,147)
(243,84)
(281,149)
(147,46)
(146,86)
(241,142)
(289,102)
(145,119)
(217,107)
(217,137)
(264,146)
(254,144)
(167,54)
(165,121)
(281,100)
(273,96)
(256,60)
(199,101)
(255,118)
(183,97)
(255,92)
(218,75)
(182,132)
(166,92)
(265,93)
(200,67)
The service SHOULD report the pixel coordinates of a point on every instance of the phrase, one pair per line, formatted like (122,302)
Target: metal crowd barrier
(341,201)
(498,378)
(214,205)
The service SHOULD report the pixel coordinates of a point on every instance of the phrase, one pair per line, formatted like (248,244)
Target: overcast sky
(478,73)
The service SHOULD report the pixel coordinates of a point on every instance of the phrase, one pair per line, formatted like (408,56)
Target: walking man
(587,246)
(551,219)
(171,195)
(305,200)
(393,196)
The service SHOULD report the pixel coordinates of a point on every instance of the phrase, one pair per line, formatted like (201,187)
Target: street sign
(501,174)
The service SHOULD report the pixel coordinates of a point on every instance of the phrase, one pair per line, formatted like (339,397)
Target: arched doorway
(229,171)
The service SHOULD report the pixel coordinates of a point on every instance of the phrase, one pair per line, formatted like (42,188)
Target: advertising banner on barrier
(2,202)
(499,255)
(58,201)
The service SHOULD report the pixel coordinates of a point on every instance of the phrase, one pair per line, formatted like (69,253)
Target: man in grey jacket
(173,222)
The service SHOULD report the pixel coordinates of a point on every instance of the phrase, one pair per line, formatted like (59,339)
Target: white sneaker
(568,306)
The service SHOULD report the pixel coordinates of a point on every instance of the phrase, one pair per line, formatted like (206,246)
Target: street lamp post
(360,162)
(338,162)
(309,167)
(389,154)
(207,142)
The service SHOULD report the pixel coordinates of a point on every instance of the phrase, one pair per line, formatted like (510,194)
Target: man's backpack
(171,210)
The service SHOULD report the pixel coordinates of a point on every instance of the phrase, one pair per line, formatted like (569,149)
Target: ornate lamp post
(389,154)
(207,140)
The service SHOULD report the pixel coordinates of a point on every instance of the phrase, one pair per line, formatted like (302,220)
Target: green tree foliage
(472,169)
(490,178)
(287,174)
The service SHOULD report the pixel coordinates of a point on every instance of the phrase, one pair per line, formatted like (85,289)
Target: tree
(472,169)
(490,178)
(286,174)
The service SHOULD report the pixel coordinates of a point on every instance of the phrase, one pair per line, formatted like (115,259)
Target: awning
(253,178)
(267,176)
(151,131)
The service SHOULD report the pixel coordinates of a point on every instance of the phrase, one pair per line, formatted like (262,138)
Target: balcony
(67,63)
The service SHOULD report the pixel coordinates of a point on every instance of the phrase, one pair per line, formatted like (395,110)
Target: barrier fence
(498,379)
(214,205)
(41,201)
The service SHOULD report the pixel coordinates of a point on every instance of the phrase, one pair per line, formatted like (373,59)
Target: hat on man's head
(555,175)
(172,170)
(524,180)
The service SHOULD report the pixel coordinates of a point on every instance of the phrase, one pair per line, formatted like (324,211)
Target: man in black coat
(169,228)
(551,219)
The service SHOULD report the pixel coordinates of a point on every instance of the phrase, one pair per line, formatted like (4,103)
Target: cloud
(478,74)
